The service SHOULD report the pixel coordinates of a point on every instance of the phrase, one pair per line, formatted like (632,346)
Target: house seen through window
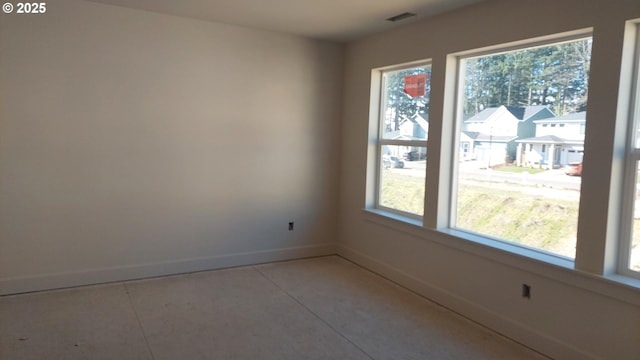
(522,116)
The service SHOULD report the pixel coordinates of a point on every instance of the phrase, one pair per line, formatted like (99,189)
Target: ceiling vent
(401,17)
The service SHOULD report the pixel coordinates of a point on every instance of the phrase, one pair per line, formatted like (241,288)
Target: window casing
(629,246)
(514,188)
(401,149)
(440,214)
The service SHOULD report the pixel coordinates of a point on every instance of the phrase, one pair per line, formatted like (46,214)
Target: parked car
(392,161)
(415,155)
(574,169)
(397,163)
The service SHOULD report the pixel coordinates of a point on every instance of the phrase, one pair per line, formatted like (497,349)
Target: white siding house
(558,142)
(415,128)
(489,136)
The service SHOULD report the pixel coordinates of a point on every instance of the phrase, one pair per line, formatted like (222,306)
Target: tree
(400,105)
(555,75)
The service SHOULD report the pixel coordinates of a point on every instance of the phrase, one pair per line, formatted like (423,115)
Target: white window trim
(453,166)
(435,224)
(632,159)
(380,141)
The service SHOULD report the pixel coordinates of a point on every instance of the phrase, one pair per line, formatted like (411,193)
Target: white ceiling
(336,20)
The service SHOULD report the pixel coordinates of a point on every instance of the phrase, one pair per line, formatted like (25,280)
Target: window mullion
(416,143)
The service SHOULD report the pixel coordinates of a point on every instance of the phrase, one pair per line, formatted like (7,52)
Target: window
(517,185)
(630,243)
(403,126)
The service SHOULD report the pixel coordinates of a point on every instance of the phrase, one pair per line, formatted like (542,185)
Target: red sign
(415,85)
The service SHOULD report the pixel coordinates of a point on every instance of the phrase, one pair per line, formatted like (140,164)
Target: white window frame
(455,142)
(632,159)
(381,142)
(436,223)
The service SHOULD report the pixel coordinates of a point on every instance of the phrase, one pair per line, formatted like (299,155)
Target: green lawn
(402,192)
(507,212)
(512,213)
(542,218)
(518,169)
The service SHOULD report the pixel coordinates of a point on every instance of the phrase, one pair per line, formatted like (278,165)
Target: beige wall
(137,144)
(572,314)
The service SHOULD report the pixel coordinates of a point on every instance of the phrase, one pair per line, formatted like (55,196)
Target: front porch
(548,152)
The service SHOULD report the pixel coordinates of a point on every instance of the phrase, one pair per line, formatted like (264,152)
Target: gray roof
(530,111)
(471,134)
(495,138)
(579,116)
(519,112)
(474,135)
(546,139)
(482,115)
(550,139)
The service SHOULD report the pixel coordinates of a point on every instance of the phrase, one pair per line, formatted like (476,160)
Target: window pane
(406,104)
(404,120)
(521,145)
(402,178)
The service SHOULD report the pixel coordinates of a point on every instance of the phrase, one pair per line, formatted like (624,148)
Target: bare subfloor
(322,308)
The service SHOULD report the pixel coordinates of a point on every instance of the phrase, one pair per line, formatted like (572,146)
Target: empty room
(412,179)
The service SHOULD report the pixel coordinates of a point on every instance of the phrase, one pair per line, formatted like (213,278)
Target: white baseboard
(25,284)
(507,327)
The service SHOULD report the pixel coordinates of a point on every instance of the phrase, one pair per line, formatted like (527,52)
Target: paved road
(550,178)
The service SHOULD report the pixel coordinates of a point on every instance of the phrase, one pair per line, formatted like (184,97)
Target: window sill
(461,239)
(557,268)
(391,219)
(629,281)
(511,248)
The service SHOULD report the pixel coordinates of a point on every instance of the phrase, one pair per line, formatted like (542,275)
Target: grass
(542,220)
(512,213)
(518,169)
(402,192)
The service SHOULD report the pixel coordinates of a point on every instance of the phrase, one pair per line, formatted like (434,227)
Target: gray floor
(323,308)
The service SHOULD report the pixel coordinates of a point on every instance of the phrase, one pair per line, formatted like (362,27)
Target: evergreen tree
(400,105)
(556,76)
